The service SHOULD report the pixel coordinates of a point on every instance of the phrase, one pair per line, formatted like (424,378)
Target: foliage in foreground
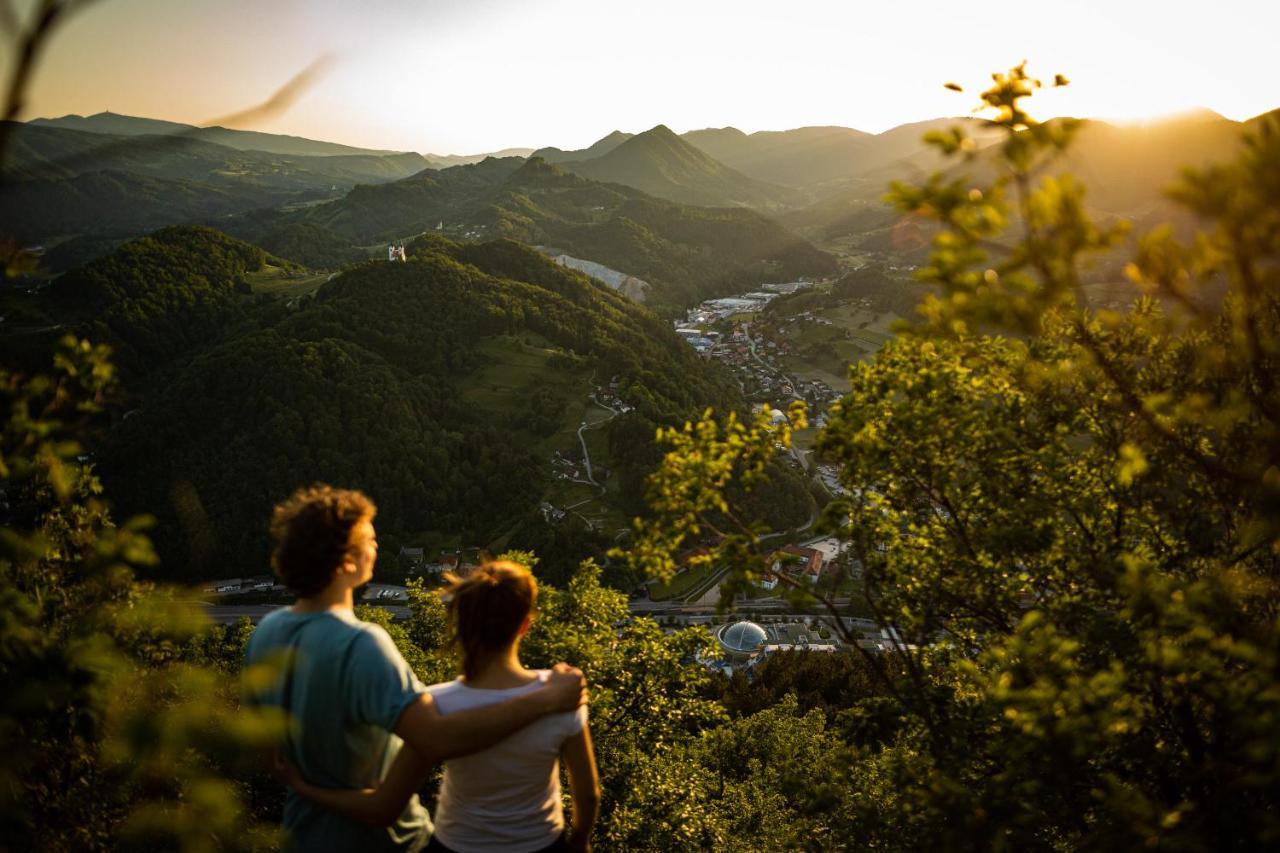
(108,736)
(1069,515)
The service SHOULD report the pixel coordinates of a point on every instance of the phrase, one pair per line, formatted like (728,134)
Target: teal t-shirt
(344,686)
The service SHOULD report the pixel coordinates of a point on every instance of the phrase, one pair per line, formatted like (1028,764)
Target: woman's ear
(524,626)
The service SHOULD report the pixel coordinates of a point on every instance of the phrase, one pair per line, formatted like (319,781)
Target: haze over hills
(793,158)
(243,140)
(443,161)
(249,140)
(1125,168)
(66,182)
(41,151)
(687,253)
(599,148)
(662,164)
(807,156)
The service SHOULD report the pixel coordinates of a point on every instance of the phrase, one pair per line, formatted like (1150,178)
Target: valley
(770,255)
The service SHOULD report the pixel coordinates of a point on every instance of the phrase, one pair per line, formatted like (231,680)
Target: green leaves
(688,494)
(108,738)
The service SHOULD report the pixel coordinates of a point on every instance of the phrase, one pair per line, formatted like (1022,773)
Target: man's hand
(566,688)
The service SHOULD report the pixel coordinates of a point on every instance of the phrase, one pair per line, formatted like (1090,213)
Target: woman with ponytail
(506,797)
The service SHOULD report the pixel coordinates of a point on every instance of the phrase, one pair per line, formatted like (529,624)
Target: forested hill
(442,386)
(152,299)
(664,165)
(687,253)
(63,182)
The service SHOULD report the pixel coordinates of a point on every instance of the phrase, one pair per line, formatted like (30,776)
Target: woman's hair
(312,530)
(487,608)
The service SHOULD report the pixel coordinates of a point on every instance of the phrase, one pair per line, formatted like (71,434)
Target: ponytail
(487,609)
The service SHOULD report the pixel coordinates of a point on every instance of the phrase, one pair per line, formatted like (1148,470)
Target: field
(823,352)
(276,281)
(517,366)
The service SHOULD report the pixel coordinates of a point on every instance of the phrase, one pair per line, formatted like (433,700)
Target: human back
(341,682)
(501,782)
(509,794)
(343,685)
(507,797)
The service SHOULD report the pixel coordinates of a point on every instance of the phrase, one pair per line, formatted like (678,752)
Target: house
(768,581)
(443,563)
(807,562)
(413,556)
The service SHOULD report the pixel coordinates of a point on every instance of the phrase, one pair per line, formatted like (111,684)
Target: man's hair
(312,531)
(487,608)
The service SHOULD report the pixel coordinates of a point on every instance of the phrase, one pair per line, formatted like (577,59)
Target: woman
(506,797)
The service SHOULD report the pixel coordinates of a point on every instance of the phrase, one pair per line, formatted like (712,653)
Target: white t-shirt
(508,796)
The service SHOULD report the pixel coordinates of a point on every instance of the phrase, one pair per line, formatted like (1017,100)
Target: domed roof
(742,637)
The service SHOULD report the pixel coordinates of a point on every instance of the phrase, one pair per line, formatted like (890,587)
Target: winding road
(586,459)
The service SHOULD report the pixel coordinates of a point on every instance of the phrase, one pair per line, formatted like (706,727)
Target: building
(807,562)
(741,641)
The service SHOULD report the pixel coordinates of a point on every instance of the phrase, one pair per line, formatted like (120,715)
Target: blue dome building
(741,641)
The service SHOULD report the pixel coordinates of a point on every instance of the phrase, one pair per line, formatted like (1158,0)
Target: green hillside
(443,386)
(687,253)
(115,203)
(63,182)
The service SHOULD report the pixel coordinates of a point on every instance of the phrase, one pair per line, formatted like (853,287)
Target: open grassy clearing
(513,368)
(824,352)
(517,366)
(277,281)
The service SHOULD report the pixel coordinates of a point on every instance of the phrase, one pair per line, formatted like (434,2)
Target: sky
(481,75)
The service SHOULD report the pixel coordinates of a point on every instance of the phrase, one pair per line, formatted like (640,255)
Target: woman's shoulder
(444,688)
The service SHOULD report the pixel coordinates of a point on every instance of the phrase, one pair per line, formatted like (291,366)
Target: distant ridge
(444,161)
(808,156)
(686,253)
(794,158)
(662,164)
(241,140)
(597,149)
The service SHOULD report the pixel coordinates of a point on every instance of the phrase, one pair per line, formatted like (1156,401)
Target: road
(228,614)
(586,458)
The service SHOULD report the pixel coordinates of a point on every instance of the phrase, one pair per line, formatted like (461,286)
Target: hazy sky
(476,75)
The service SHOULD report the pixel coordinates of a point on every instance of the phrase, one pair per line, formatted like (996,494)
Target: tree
(109,736)
(1068,516)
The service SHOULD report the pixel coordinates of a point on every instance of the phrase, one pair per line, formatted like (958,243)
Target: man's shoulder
(287,627)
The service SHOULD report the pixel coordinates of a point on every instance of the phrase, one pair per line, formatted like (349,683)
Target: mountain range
(687,253)
(82,184)
(115,124)
(662,164)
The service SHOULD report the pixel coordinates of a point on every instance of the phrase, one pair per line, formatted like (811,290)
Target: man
(349,695)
